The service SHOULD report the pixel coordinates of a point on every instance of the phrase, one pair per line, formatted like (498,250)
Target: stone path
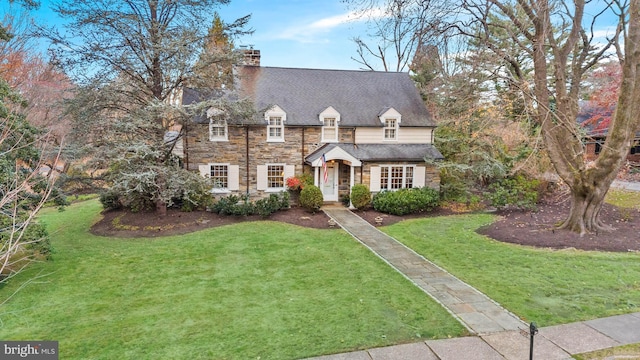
(626,185)
(552,343)
(501,335)
(472,308)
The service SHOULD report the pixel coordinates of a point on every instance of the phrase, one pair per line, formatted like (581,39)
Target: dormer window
(330,119)
(390,129)
(390,119)
(275,118)
(217,125)
(218,130)
(275,128)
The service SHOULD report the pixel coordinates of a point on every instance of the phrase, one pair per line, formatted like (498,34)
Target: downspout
(246,137)
(186,145)
(302,151)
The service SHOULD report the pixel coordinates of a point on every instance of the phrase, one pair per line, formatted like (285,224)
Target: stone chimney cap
(251,57)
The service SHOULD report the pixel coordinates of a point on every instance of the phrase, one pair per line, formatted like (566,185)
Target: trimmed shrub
(110,200)
(406,201)
(345,200)
(519,192)
(240,205)
(285,200)
(311,198)
(190,191)
(360,196)
(267,206)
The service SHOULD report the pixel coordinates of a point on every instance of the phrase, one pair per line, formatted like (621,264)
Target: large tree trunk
(561,56)
(161,208)
(586,202)
(589,183)
(590,186)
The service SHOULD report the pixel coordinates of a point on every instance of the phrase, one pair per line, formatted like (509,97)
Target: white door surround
(330,187)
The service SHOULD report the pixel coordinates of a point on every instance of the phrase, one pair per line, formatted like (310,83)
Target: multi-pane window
(217,129)
(396,177)
(275,128)
(330,130)
(408,176)
(220,176)
(390,129)
(275,176)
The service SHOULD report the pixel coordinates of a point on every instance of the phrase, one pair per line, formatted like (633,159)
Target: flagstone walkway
(478,313)
(500,334)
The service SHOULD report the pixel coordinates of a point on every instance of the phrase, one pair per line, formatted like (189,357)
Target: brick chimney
(251,57)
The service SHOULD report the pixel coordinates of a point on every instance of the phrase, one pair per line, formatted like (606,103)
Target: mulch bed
(538,228)
(532,228)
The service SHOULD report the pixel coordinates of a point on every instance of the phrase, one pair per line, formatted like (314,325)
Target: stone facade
(247,147)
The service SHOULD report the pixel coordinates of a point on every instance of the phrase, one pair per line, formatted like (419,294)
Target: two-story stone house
(343,127)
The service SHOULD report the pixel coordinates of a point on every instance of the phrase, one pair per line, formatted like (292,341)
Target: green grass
(624,198)
(253,290)
(627,352)
(541,285)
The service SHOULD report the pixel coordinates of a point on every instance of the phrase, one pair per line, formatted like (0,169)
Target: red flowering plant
(298,182)
(294,184)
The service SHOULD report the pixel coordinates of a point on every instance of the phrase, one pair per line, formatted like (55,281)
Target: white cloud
(316,31)
(334,21)
(604,32)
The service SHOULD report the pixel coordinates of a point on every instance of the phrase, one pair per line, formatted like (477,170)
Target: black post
(533,330)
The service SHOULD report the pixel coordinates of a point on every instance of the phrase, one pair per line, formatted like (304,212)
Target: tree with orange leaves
(604,87)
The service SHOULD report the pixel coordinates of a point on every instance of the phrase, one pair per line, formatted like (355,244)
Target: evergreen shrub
(360,196)
(406,201)
(311,198)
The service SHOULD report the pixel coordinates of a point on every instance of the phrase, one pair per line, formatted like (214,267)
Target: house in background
(594,120)
(342,127)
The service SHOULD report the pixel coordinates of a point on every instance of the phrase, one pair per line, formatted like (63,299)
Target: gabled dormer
(390,119)
(275,118)
(330,118)
(218,130)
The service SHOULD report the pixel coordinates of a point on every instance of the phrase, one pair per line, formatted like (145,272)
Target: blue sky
(297,33)
(289,33)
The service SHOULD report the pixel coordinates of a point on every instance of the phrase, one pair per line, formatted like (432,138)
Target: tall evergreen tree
(214,69)
(131,58)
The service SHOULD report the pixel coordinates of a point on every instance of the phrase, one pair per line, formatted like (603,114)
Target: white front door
(330,187)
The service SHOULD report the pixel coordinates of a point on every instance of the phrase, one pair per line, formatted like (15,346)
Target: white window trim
(284,178)
(330,113)
(214,113)
(391,113)
(385,128)
(218,138)
(225,190)
(275,111)
(233,172)
(387,169)
(335,129)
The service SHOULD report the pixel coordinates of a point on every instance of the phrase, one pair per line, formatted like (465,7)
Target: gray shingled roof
(193,96)
(359,96)
(382,152)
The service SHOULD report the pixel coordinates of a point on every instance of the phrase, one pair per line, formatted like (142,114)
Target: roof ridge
(342,70)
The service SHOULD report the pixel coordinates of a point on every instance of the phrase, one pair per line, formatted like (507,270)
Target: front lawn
(624,198)
(260,290)
(546,286)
